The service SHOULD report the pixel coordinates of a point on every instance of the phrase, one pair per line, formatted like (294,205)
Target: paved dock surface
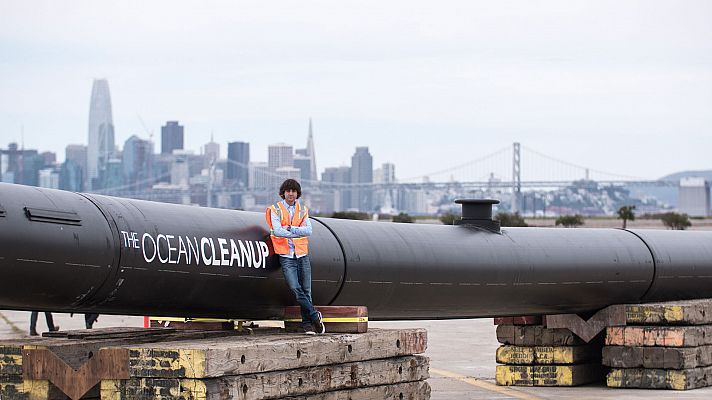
(462,354)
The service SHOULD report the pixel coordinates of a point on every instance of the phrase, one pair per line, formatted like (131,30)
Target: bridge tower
(516,178)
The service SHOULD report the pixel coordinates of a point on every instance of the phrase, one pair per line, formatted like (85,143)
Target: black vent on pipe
(477,213)
(53,216)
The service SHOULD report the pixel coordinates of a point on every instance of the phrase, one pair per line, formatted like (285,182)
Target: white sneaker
(319,325)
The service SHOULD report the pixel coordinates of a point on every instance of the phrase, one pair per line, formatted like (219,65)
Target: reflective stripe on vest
(281,244)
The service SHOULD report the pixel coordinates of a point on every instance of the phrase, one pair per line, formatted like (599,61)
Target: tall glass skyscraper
(171,137)
(101,133)
(362,172)
(238,159)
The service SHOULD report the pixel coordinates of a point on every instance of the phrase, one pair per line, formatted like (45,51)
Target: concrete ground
(462,359)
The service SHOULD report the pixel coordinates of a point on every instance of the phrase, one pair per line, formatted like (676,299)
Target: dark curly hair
(290,184)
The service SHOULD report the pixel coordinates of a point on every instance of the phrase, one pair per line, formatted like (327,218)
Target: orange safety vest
(281,244)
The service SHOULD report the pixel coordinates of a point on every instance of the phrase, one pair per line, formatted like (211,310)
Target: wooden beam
(42,364)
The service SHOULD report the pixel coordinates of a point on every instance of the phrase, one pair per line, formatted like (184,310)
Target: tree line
(671,220)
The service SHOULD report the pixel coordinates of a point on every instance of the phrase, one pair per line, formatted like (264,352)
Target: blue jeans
(297,273)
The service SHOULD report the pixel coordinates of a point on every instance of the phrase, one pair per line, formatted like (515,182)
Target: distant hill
(707,174)
(669,194)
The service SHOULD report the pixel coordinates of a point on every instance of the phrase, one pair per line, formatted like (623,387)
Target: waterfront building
(694,199)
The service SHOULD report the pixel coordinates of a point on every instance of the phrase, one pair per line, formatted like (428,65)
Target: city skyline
(441,82)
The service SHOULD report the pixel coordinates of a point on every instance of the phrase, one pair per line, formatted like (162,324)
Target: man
(90,319)
(50,323)
(289,228)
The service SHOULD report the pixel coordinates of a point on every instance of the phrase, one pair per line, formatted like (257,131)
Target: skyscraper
(362,173)
(137,161)
(385,197)
(389,172)
(20,165)
(280,155)
(74,169)
(78,154)
(303,164)
(238,160)
(101,132)
(305,158)
(259,175)
(339,177)
(71,176)
(311,152)
(171,137)
(211,150)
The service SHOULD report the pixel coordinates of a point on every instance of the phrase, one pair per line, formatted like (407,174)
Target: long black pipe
(70,252)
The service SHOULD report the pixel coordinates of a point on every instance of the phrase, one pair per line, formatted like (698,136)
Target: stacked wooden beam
(664,346)
(377,364)
(533,355)
(277,366)
(75,349)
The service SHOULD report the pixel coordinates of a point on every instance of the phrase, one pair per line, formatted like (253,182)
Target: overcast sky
(620,86)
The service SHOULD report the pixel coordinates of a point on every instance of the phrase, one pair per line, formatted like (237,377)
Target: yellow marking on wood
(110,389)
(636,378)
(546,375)
(508,354)
(32,347)
(485,385)
(36,389)
(615,378)
(655,313)
(192,361)
(674,314)
(515,354)
(193,389)
(676,379)
(334,319)
(10,359)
